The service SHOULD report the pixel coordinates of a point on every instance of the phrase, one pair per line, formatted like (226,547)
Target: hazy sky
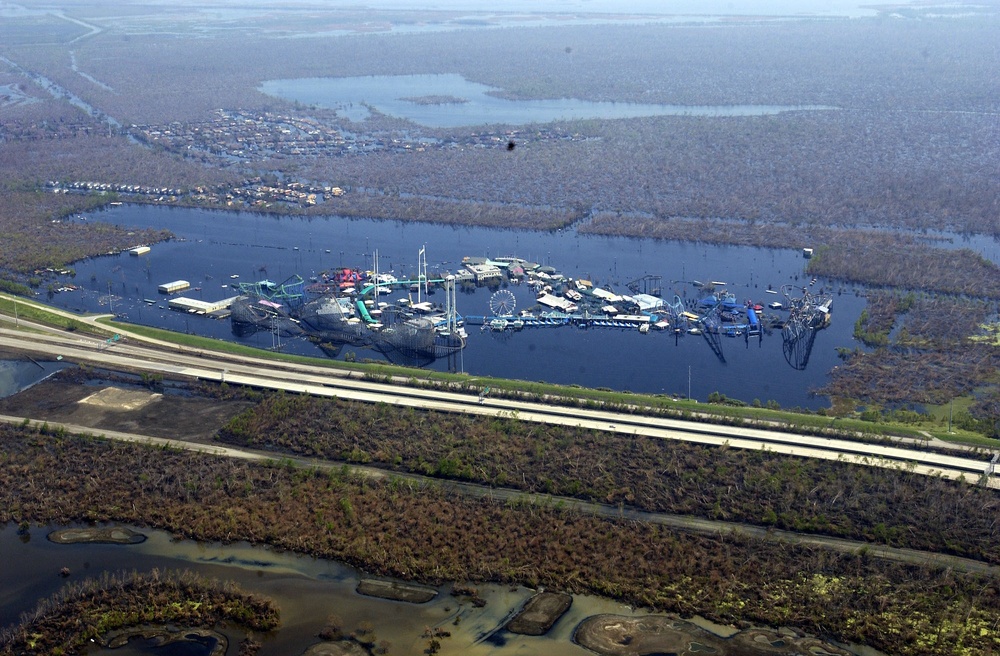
(852,8)
(819,8)
(697,7)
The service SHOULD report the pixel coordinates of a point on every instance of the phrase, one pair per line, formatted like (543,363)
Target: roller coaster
(412,335)
(807,314)
(290,292)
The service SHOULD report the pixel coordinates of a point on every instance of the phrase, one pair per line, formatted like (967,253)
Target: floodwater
(307,590)
(19,375)
(214,246)
(467,103)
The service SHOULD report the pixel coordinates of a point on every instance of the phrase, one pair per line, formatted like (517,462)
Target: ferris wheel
(502,303)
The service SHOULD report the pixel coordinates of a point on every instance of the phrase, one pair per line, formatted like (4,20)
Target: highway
(185,362)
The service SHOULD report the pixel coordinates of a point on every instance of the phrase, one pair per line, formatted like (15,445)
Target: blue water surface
(214,246)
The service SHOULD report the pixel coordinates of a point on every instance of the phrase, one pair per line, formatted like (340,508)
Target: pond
(449,100)
(215,250)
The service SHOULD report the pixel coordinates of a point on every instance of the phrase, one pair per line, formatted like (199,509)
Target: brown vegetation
(861,164)
(795,172)
(656,475)
(878,259)
(878,264)
(897,376)
(34,237)
(925,321)
(83,612)
(922,354)
(430,534)
(453,212)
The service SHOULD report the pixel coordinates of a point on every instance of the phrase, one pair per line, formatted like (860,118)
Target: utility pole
(689,382)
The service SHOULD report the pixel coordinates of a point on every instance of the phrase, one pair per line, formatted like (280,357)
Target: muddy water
(307,590)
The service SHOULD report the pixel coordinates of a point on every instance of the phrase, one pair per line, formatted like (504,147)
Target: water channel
(215,250)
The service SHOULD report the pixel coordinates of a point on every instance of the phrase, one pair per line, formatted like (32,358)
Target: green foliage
(447,468)
(347,508)
(873,415)
(722,399)
(871,338)
(16,288)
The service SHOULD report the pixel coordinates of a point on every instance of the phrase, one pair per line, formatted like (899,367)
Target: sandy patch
(97,535)
(116,398)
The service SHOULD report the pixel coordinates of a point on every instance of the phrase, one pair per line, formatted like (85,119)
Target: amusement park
(414,320)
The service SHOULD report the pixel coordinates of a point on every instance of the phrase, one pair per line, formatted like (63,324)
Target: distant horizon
(817,8)
(684,10)
(659,7)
